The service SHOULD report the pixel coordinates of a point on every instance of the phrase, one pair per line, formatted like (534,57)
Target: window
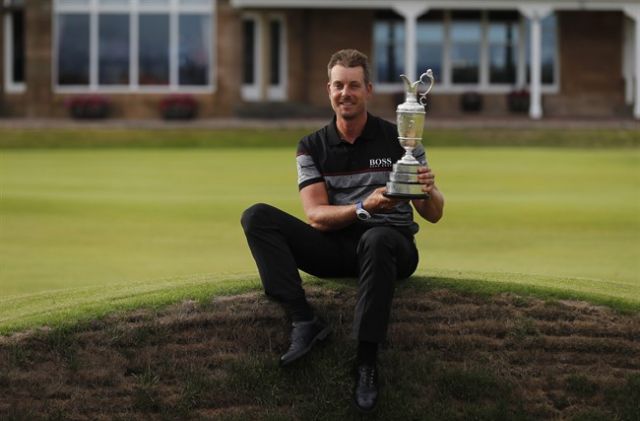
(466,38)
(249,52)
(388,41)
(503,43)
(73,49)
(113,49)
(274,59)
(14,48)
(430,36)
(130,45)
(485,50)
(153,50)
(194,47)
(264,70)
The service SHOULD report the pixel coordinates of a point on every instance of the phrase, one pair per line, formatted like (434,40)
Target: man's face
(348,92)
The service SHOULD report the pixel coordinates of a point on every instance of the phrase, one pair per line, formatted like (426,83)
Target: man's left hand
(427,178)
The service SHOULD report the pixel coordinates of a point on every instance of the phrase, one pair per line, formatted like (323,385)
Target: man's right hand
(376,202)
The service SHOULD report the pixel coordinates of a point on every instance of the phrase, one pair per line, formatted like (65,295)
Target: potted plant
(518,100)
(178,107)
(471,102)
(88,106)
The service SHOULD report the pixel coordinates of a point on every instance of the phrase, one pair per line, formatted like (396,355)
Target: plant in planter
(518,100)
(88,106)
(471,102)
(178,107)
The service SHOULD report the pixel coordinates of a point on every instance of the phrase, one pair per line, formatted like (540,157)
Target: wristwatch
(361,212)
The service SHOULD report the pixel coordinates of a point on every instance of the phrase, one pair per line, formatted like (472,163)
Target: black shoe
(365,396)
(304,336)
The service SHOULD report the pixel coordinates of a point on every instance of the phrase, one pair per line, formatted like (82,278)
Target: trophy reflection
(403,181)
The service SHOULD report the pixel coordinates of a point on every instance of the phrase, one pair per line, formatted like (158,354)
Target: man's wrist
(361,213)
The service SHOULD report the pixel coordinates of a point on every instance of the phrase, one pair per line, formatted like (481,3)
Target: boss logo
(380,162)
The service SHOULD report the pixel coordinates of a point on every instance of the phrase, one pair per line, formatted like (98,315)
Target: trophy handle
(429,74)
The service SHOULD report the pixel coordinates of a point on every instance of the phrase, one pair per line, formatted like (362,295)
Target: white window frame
(261,89)
(10,85)
(446,86)
(133,8)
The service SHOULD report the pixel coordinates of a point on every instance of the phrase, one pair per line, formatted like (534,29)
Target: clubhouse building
(267,58)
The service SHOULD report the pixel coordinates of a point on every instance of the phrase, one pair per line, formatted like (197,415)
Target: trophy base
(406,196)
(405,191)
(403,182)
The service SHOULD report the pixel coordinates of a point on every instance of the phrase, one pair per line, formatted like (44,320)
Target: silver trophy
(403,181)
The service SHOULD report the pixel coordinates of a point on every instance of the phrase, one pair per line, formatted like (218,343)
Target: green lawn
(80,227)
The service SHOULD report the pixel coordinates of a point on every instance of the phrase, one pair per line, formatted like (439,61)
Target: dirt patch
(449,356)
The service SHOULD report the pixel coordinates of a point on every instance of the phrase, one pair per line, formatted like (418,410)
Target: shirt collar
(368,132)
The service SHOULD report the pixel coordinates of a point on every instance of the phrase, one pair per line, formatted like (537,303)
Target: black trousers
(378,256)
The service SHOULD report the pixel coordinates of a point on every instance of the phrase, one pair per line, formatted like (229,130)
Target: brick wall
(590,50)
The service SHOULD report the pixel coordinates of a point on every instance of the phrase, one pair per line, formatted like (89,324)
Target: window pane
(430,47)
(113,49)
(73,49)
(18,46)
(389,50)
(502,52)
(154,49)
(465,61)
(465,51)
(249,27)
(548,48)
(195,34)
(465,32)
(548,53)
(274,34)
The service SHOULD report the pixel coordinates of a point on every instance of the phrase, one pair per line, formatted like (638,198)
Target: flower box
(471,102)
(518,101)
(88,106)
(178,107)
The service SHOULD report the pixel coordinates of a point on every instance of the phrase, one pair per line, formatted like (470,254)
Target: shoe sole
(321,336)
(362,410)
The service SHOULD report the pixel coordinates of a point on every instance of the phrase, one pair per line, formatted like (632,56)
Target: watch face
(362,214)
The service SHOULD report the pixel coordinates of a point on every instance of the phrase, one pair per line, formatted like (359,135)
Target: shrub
(88,106)
(518,101)
(471,102)
(178,107)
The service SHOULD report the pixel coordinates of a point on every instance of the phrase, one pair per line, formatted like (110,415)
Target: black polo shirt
(351,171)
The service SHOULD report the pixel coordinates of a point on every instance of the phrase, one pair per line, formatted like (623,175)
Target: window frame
(261,89)
(446,85)
(133,8)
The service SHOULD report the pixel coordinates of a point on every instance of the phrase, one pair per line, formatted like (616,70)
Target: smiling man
(353,230)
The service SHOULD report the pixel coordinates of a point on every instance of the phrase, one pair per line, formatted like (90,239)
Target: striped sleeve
(308,173)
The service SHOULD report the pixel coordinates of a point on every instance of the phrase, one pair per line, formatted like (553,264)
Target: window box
(178,107)
(88,106)
(518,101)
(471,102)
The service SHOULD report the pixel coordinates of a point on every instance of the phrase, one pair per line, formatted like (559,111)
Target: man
(353,229)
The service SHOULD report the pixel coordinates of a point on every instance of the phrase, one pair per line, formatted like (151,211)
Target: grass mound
(450,355)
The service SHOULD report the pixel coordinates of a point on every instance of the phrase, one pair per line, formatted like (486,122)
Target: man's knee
(253,216)
(376,240)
